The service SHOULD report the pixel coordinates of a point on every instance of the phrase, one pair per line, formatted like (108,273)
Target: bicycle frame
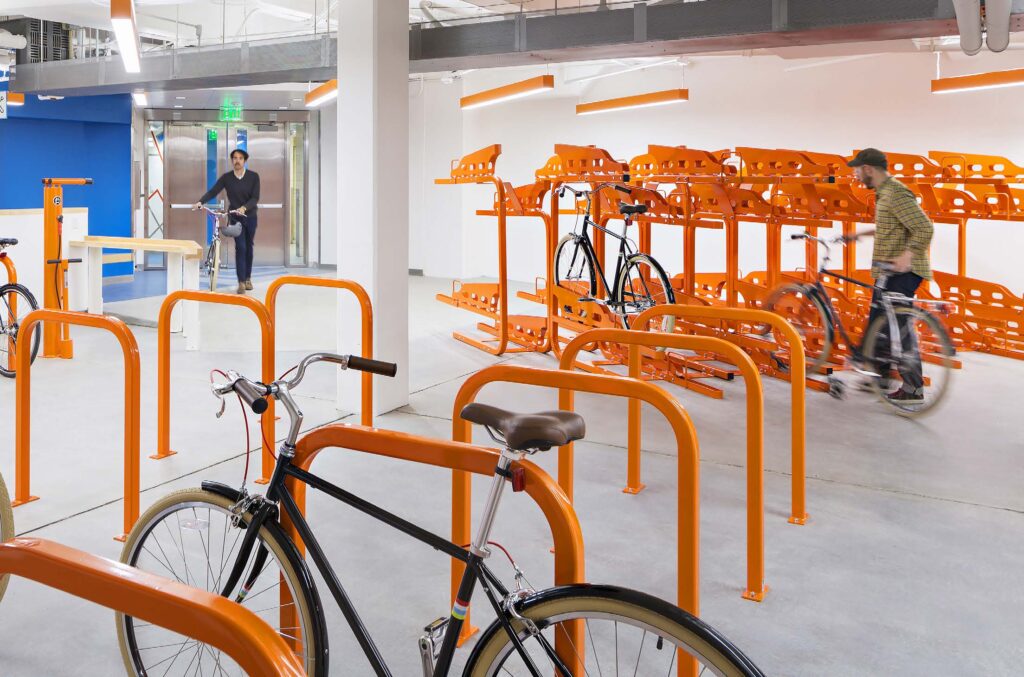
(626,249)
(476,571)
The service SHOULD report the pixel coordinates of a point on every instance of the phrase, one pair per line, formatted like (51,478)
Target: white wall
(881,101)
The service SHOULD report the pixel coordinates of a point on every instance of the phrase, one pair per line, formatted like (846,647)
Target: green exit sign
(230,113)
(211,134)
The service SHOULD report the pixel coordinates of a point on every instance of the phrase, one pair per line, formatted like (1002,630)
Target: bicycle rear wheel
(804,310)
(923,334)
(6,528)
(192,536)
(623,631)
(15,303)
(643,284)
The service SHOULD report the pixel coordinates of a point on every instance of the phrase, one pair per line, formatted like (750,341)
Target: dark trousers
(910,366)
(244,247)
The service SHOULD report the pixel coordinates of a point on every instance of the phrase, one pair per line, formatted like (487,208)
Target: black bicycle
(905,345)
(225,540)
(16,301)
(640,281)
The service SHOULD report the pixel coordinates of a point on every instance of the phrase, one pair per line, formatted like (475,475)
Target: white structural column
(373,188)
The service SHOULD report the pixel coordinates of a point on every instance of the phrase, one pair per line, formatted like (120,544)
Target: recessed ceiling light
(180,98)
(282,108)
(178,106)
(297,100)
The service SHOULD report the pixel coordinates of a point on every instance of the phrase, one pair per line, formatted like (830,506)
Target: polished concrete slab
(907,566)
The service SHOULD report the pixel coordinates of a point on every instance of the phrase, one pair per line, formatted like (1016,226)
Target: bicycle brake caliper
(242,506)
(516,597)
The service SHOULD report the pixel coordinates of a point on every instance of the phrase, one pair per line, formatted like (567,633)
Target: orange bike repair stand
(56,337)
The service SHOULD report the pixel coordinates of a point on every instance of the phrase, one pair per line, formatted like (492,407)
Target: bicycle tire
(603,602)
(6,362)
(564,276)
(291,565)
(808,316)
(6,528)
(938,337)
(625,295)
(214,257)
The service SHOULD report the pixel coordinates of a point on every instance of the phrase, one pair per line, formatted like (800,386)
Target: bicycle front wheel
(804,310)
(643,284)
(6,528)
(15,303)
(214,263)
(924,368)
(618,631)
(193,536)
(574,267)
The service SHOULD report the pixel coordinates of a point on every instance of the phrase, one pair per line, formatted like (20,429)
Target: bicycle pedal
(430,643)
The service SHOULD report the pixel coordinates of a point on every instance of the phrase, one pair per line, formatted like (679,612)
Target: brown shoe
(248,285)
(241,288)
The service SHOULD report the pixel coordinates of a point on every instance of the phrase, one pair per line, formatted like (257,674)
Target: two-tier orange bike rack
(203,616)
(756,587)
(23,403)
(163,379)
(567,383)
(366,316)
(464,459)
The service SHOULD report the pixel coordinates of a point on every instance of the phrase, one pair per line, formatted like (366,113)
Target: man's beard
(868,181)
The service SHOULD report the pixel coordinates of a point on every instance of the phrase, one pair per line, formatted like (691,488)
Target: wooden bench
(183,257)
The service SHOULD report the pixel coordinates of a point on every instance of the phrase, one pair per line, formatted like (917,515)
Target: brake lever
(220,397)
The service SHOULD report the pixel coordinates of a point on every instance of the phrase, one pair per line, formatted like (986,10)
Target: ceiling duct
(997,24)
(968,19)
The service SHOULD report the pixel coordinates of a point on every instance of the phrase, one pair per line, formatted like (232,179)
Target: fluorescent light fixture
(140,99)
(663,98)
(122,18)
(322,94)
(15,99)
(516,90)
(978,81)
(282,108)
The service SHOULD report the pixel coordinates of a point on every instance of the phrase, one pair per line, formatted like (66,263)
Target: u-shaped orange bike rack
(163,378)
(463,459)
(756,587)
(798,377)
(23,403)
(204,616)
(366,310)
(567,383)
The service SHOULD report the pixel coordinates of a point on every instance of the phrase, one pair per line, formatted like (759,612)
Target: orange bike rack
(463,459)
(797,377)
(567,383)
(163,377)
(756,587)
(366,311)
(23,403)
(56,338)
(206,617)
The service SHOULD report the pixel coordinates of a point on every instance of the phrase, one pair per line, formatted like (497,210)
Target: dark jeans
(244,247)
(910,367)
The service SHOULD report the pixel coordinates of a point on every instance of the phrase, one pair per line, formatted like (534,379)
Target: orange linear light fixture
(122,19)
(516,90)
(15,99)
(322,94)
(967,83)
(662,98)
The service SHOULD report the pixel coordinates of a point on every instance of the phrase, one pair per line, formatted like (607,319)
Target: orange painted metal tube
(12,272)
(163,375)
(798,378)
(204,616)
(366,311)
(756,588)
(464,459)
(23,401)
(688,524)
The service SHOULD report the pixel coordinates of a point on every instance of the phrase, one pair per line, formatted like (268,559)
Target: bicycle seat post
(479,545)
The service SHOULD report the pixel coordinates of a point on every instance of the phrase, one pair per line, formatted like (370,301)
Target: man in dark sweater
(243,189)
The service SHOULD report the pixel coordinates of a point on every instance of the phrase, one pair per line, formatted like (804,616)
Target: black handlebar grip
(624,189)
(252,396)
(259,405)
(798,236)
(74,260)
(373,366)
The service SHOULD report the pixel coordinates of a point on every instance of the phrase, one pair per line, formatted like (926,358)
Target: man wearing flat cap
(243,189)
(903,233)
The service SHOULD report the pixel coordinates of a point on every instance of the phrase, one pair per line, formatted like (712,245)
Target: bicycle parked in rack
(640,281)
(237,548)
(906,338)
(222,228)
(16,301)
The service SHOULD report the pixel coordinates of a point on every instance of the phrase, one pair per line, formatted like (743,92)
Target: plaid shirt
(901,224)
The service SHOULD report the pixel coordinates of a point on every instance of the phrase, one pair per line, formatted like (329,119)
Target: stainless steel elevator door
(185,153)
(268,158)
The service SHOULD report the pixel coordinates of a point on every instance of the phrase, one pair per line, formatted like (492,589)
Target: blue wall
(78,137)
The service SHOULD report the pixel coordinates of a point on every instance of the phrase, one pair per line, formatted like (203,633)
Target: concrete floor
(908,565)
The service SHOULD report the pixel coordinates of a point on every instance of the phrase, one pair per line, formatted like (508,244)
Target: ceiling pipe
(997,24)
(968,19)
